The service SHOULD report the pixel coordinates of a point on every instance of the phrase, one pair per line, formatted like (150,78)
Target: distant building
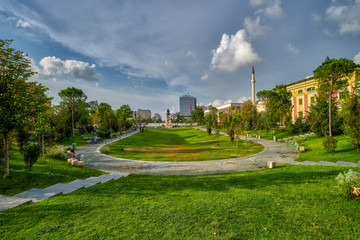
(157,117)
(142,114)
(187,104)
(223,108)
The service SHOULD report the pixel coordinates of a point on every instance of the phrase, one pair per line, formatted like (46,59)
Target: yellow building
(304,92)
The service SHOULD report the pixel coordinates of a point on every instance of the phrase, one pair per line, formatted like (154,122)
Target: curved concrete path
(274,151)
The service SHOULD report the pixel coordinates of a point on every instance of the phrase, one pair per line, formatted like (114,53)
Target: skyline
(148,54)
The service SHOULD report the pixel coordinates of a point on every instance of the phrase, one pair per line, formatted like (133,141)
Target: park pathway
(273,151)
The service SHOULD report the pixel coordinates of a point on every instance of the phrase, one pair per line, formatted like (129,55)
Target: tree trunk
(72,121)
(330,130)
(6,148)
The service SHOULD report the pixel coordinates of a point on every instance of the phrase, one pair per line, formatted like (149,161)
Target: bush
(348,184)
(56,152)
(105,150)
(330,144)
(31,154)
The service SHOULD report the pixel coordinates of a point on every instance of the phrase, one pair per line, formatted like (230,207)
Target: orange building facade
(304,93)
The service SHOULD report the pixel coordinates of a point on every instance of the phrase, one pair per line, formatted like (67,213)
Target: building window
(300,91)
(310,89)
(312,99)
(300,101)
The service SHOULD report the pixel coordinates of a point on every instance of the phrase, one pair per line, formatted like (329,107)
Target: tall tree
(19,100)
(73,98)
(332,76)
(106,114)
(197,115)
(123,114)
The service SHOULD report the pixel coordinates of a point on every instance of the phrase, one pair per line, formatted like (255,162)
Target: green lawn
(42,174)
(314,151)
(180,144)
(288,202)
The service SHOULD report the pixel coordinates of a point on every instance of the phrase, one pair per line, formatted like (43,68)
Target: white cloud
(178,81)
(270,9)
(22,23)
(205,77)
(357,58)
(52,68)
(219,102)
(346,16)
(234,52)
(293,49)
(243,99)
(254,27)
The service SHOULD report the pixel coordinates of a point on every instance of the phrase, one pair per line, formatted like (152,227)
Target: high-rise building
(187,104)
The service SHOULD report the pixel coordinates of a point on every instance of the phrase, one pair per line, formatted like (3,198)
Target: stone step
(85,183)
(325,163)
(10,202)
(117,175)
(309,163)
(65,188)
(105,178)
(294,163)
(346,164)
(36,194)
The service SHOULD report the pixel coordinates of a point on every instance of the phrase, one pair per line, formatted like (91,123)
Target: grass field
(43,174)
(180,144)
(314,150)
(288,202)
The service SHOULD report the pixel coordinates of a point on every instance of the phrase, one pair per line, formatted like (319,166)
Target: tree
(210,119)
(197,115)
(123,114)
(351,112)
(249,114)
(331,75)
(19,100)
(73,98)
(106,115)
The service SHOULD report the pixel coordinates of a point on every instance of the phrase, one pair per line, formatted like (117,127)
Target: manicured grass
(314,150)
(180,144)
(42,175)
(288,202)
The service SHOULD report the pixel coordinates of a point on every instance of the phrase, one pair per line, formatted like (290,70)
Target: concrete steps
(37,194)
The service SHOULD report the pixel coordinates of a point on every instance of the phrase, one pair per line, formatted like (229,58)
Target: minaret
(253,85)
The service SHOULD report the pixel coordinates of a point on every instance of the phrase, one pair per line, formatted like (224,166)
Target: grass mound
(179,144)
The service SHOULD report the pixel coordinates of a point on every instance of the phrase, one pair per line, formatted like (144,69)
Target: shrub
(330,144)
(105,150)
(56,152)
(31,154)
(349,183)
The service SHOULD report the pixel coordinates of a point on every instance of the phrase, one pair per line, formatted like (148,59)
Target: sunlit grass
(288,202)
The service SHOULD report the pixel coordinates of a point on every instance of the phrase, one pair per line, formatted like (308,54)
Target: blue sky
(148,53)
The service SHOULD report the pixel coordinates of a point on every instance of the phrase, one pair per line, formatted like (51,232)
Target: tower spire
(253,85)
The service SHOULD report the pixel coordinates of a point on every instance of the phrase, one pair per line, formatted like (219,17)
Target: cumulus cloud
(269,8)
(52,68)
(346,16)
(219,102)
(243,99)
(315,17)
(234,52)
(293,49)
(254,27)
(357,58)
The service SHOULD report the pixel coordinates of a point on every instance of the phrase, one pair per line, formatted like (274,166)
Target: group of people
(72,152)
(96,140)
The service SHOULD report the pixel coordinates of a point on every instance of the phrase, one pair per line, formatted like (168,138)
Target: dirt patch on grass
(209,141)
(169,150)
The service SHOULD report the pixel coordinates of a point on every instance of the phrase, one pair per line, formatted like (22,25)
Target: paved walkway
(274,151)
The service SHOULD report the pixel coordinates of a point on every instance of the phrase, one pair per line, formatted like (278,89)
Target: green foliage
(31,154)
(56,153)
(330,144)
(319,117)
(332,76)
(19,99)
(351,112)
(123,114)
(197,115)
(349,183)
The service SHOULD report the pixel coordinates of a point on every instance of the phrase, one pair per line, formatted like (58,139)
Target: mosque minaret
(253,85)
